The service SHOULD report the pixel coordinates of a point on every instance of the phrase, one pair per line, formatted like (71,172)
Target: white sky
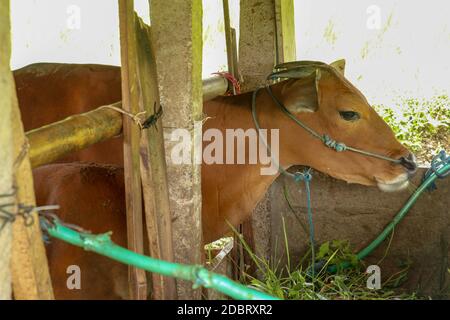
(406,53)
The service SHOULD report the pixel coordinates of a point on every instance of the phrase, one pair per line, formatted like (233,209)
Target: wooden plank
(6,145)
(177,34)
(31,277)
(29,266)
(229,40)
(131,132)
(153,167)
(234,49)
(285,31)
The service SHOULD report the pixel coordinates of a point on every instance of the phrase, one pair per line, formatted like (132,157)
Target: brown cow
(91,196)
(325,101)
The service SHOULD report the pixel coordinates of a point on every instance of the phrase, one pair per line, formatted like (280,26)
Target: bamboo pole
(131,132)
(6,147)
(214,87)
(54,141)
(155,190)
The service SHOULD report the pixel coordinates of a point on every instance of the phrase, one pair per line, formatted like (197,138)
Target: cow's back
(49,92)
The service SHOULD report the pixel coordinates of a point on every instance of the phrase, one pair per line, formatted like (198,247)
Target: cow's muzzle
(409,163)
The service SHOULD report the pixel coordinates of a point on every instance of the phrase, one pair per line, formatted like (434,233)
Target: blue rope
(333,144)
(306,177)
(438,162)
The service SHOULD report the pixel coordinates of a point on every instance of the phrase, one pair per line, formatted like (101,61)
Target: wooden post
(153,167)
(256,42)
(285,31)
(177,34)
(131,132)
(29,268)
(234,49)
(6,145)
(229,40)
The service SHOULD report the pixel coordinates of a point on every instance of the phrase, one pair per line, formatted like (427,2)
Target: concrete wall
(359,214)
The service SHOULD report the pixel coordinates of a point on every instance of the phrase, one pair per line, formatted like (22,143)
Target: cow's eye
(349,115)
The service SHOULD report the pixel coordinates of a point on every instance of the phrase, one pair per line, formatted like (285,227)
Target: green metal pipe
(400,215)
(103,245)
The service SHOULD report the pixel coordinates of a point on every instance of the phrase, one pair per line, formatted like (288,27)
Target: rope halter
(301,69)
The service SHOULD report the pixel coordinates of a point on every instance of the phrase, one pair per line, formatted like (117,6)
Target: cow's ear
(302,95)
(339,65)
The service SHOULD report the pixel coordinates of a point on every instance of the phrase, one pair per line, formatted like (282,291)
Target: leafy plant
(298,283)
(417,121)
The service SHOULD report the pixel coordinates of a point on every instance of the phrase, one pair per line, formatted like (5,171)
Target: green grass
(416,122)
(294,281)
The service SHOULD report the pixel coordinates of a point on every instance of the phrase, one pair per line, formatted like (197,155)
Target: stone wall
(359,214)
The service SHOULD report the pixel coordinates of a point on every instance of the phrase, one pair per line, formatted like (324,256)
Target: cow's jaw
(399,183)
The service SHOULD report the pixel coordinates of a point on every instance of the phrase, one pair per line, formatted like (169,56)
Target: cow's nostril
(409,163)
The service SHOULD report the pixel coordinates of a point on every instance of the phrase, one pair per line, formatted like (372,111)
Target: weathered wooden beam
(229,40)
(153,167)
(131,133)
(285,31)
(31,277)
(26,254)
(177,32)
(6,147)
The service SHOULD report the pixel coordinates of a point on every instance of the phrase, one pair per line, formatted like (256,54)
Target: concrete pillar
(257,57)
(177,32)
(256,42)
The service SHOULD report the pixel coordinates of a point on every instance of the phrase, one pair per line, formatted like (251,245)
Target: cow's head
(327,102)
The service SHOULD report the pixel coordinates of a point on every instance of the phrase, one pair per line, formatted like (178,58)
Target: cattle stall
(161,75)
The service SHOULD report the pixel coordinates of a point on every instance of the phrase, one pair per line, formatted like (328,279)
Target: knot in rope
(232,80)
(303,176)
(438,162)
(333,144)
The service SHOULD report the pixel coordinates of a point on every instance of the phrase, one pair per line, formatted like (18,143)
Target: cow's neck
(235,190)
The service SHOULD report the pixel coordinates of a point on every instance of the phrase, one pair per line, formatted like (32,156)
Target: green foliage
(416,121)
(337,252)
(298,283)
